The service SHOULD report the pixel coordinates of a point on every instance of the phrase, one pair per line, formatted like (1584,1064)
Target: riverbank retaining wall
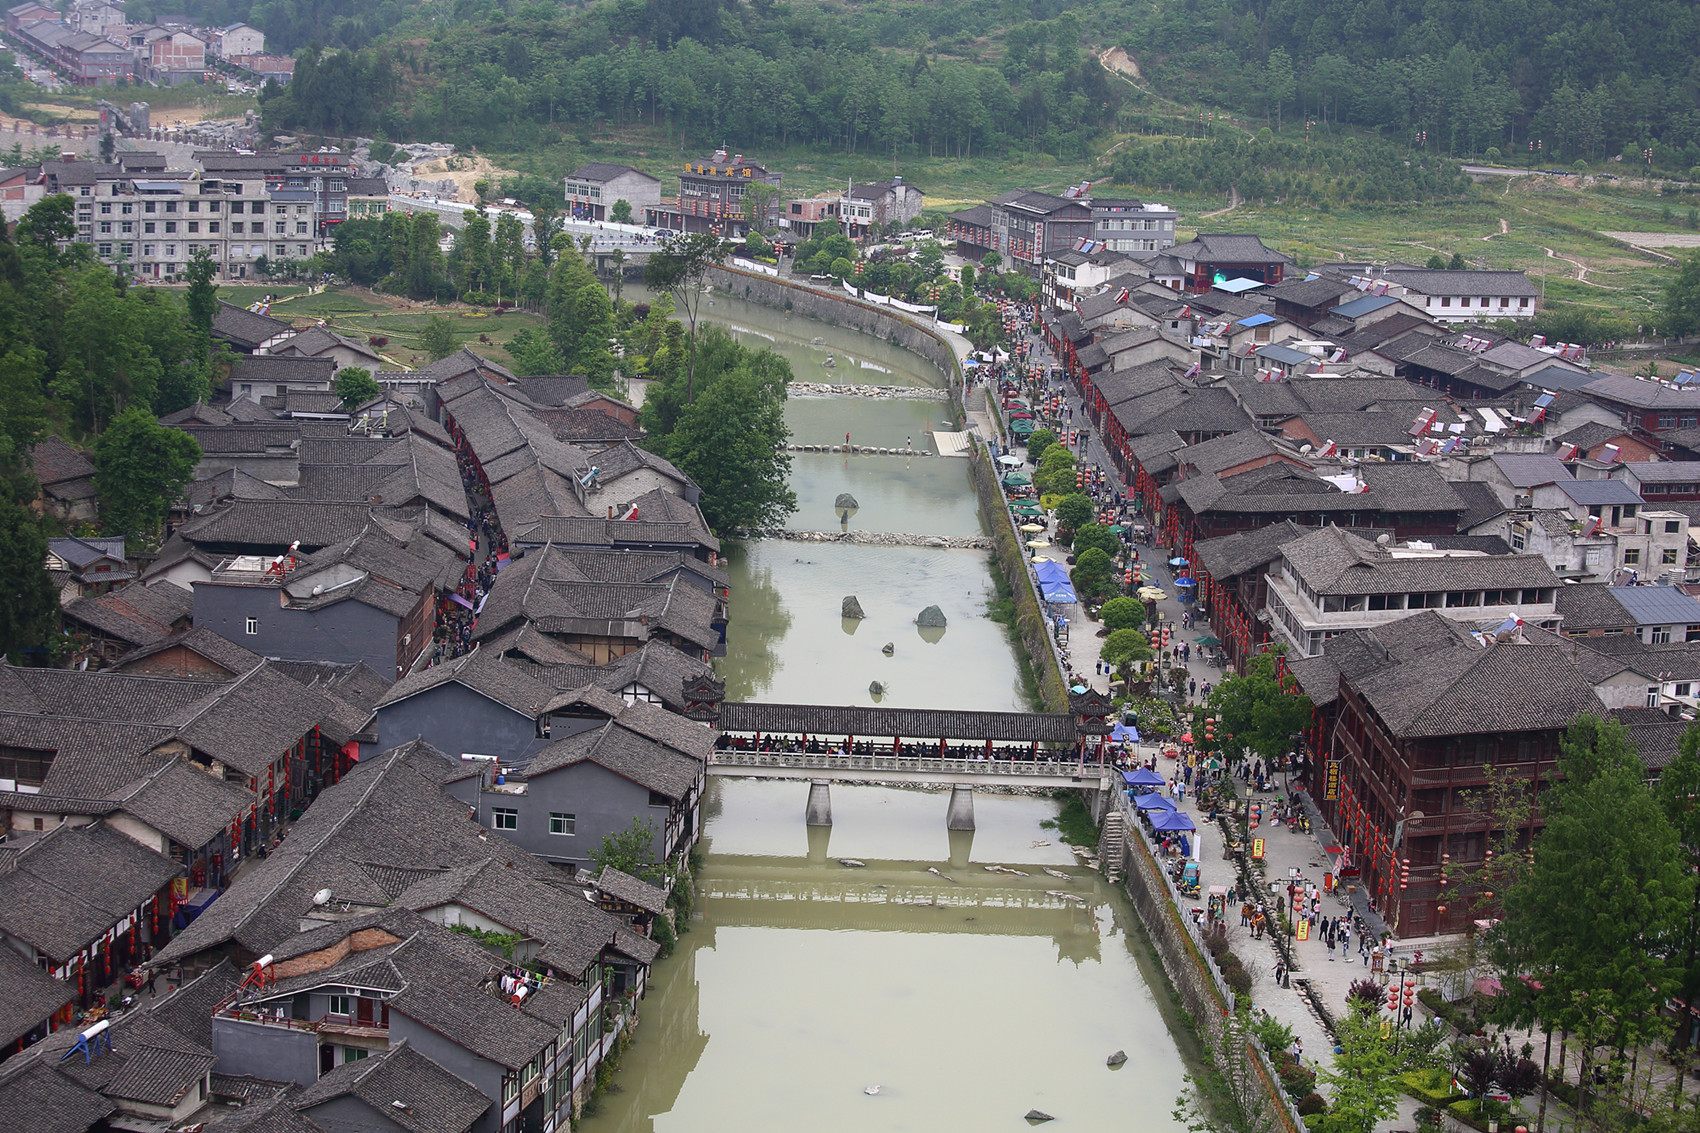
(841,311)
(1007,549)
(1245,1071)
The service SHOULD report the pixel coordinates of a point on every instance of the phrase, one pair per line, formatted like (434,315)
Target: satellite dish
(321,896)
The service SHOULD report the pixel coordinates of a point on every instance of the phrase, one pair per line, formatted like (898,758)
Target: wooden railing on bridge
(823,761)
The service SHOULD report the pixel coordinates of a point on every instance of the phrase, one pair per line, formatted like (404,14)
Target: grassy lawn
(361,314)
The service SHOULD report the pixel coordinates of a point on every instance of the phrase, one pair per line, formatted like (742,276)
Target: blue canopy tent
(1154,801)
(1144,777)
(1123,734)
(1049,570)
(1171,820)
(1057,592)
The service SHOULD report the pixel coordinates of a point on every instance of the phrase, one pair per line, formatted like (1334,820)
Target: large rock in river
(851,608)
(930,618)
(845,500)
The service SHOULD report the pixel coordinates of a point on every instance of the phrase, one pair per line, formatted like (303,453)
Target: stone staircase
(1112,843)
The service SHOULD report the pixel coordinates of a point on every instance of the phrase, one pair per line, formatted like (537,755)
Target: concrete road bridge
(826,744)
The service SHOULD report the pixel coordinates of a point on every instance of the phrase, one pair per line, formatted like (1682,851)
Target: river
(966,996)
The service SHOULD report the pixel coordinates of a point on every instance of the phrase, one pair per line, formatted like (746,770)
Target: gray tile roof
(1657,471)
(432,1099)
(65,889)
(186,804)
(1469,690)
(605,171)
(1599,493)
(221,651)
(1431,281)
(651,765)
(1332,561)
(1406,486)
(1643,393)
(1481,502)
(1591,605)
(137,614)
(244,328)
(149,1064)
(54,1102)
(1232,555)
(28,995)
(1530,470)
(55,462)
(629,889)
(270,526)
(310,372)
(384,828)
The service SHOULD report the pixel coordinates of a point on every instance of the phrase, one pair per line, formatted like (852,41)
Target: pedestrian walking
(1192,689)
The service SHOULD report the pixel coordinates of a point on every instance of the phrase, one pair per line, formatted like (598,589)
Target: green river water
(967,998)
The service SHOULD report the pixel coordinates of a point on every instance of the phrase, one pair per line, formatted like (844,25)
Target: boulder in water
(876,688)
(888,648)
(932,617)
(1036,1116)
(844,500)
(1117,1058)
(851,608)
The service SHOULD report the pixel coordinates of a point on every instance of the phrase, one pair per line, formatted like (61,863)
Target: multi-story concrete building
(1132,226)
(592,190)
(711,197)
(238,40)
(868,209)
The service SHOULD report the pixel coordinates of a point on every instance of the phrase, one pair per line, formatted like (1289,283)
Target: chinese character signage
(1331,780)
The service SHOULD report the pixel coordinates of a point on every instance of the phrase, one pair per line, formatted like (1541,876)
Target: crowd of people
(487,553)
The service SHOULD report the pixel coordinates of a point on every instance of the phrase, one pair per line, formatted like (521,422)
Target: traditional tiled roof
(53,1102)
(381,830)
(221,651)
(404,1087)
(629,889)
(1333,561)
(1432,281)
(270,526)
(186,804)
(273,368)
(651,765)
(28,996)
(1658,605)
(137,614)
(65,889)
(606,171)
(243,328)
(316,340)
(1590,606)
(55,462)
(1481,503)
(1228,248)
(1232,555)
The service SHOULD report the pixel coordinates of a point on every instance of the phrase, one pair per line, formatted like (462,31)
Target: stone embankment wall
(893,393)
(874,538)
(840,311)
(1247,1072)
(1007,548)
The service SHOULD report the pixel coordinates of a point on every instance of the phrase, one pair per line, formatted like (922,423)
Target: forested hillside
(1584,79)
(755,74)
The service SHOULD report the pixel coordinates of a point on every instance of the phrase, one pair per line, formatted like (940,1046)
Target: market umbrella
(1206,641)
(1116,529)
(1037,544)
(1144,777)
(1172,820)
(1031,527)
(1021,428)
(1020,415)
(1026,507)
(1018,479)
(1186,737)
(1154,801)
(1011,461)
(1177,562)
(1152,593)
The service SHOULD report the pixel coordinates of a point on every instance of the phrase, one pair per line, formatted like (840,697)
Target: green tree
(991,261)
(201,297)
(1075,510)
(1122,613)
(1363,1083)
(758,202)
(1457,263)
(1258,711)
(1608,891)
(1679,314)
(967,277)
(1093,576)
(1436,262)
(621,212)
(31,607)
(1096,535)
(1124,647)
(631,851)
(535,353)
(1678,792)
(1037,442)
(438,338)
(1278,81)
(355,386)
(680,267)
(141,468)
(731,442)
(1055,475)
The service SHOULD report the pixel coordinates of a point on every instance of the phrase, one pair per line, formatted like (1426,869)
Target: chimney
(610,511)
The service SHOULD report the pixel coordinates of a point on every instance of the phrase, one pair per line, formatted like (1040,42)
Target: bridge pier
(960,816)
(819,810)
